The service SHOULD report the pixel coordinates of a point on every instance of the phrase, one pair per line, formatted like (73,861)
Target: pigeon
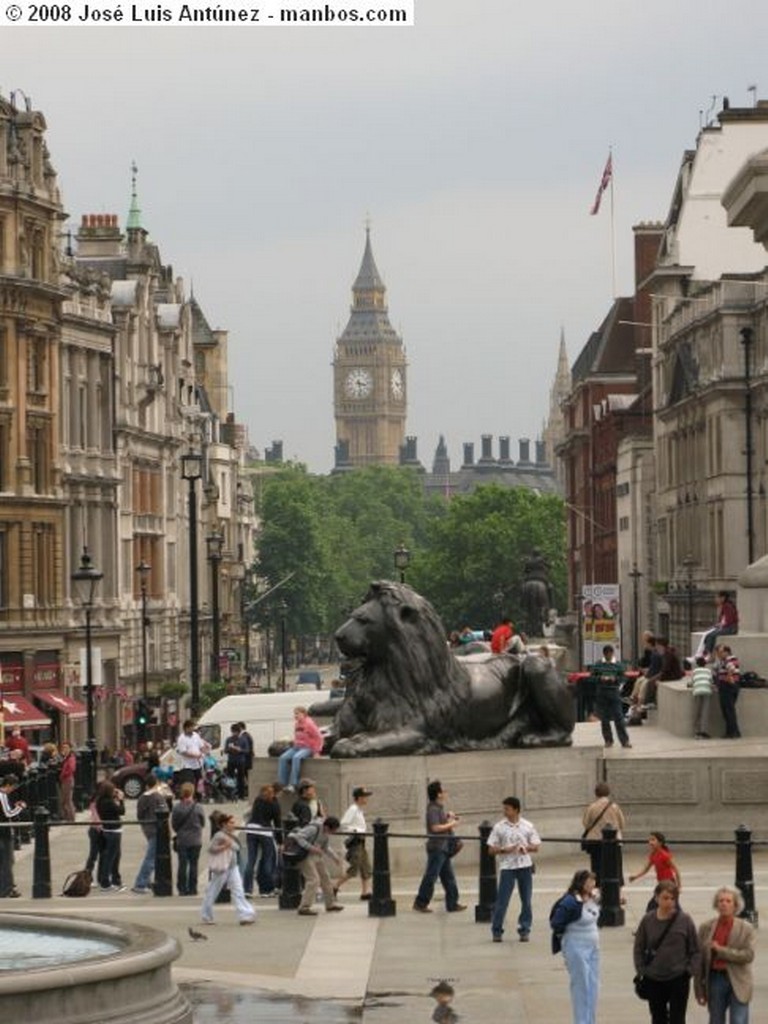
(197,936)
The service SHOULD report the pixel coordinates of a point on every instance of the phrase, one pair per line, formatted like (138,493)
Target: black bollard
(745,879)
(611,910)
(290,889)
(163,884)
(381,903)
(41,865)
(487,885)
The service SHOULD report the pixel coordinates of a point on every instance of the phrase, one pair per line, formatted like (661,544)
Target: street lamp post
(143,569)
(215,542)
(86,577)
(192,470)
(283,607)
(402,557)
(635,575)
(689,562)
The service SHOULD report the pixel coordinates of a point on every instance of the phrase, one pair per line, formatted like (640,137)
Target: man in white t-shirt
(191,748)
(512,841)
(353,823)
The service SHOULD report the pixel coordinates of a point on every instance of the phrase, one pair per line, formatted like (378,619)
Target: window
(3,569)
(624,523)
(37,453)
(36,351)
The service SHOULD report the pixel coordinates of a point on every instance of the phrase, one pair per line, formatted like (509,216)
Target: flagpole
(613,233)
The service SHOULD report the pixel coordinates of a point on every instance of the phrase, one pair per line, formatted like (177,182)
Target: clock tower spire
(369,369)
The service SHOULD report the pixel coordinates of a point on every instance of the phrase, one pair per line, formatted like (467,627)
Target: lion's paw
(346,747)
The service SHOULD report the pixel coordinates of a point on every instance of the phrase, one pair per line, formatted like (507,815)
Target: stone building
(709,285)
(35,615)
(106,369)
(370,377)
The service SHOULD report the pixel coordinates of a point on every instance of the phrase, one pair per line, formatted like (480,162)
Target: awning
(17,710)
(59,701)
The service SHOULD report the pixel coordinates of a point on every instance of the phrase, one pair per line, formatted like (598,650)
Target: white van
(267,716)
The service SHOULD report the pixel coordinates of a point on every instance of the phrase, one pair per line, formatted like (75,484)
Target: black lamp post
(245,617)
(402,558)
(635,576)
(283,608)
(143,569)
(215,542)
(689,562)
(192,470)
(85,578)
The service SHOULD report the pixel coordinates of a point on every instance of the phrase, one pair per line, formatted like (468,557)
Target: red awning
(17,710)
(59,701)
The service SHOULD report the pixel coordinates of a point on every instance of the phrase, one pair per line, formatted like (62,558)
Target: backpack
(558,929)
(78,883)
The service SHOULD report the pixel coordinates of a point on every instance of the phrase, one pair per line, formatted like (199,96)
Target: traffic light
(142,714)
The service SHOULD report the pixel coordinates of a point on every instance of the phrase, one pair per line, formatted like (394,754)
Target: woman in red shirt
(67,768)
(662,862)
(307,742)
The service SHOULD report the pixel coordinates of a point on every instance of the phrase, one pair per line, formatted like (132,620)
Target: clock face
(359,383)
(396,383)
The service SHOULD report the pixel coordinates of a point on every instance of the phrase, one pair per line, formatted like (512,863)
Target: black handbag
(642,988)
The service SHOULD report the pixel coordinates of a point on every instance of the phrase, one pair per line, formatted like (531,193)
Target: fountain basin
(104,973)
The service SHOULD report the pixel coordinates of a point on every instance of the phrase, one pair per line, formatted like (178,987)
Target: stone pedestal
(675,715)
(554,785)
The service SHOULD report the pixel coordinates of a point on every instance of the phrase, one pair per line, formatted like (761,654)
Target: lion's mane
(410,673)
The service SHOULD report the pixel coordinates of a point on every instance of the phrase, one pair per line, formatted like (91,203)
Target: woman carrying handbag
(666,956)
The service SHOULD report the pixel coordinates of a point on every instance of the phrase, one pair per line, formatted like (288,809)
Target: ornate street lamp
(402,557)
(143,569)
(86,578)
(215,543)
(635,576)
(192,471)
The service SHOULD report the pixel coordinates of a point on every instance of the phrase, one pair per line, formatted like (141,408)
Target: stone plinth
(675,714)
(554,785)
(691,797)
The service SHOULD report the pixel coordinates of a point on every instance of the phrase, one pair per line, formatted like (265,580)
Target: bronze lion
(410,695)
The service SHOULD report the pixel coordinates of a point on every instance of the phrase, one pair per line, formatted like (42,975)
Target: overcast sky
(475,142)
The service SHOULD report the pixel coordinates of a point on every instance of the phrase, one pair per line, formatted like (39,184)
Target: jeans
(6,862)
(582,958)
(610,709)
(186,876)
(233,881)
(669,999)
(261,848)
(700,713)
(95,846)
(721,998)
(144,877)
(290,761)
(438,866)
(728,694)
(109,862)
(507,879)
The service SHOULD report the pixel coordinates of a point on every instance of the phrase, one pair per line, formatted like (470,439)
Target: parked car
(132,778)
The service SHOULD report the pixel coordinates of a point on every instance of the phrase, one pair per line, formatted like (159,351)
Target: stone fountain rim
(141,949)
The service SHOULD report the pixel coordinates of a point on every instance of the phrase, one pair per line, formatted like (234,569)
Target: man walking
(512,841)
(315,838)
(353,823)
(440,824)
(9,811)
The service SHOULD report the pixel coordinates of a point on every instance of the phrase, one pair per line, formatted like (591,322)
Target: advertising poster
(600,620)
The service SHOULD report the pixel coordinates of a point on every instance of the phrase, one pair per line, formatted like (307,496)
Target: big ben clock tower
(369,385)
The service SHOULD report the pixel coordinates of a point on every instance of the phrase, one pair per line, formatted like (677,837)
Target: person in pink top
(67,768)
(307,741)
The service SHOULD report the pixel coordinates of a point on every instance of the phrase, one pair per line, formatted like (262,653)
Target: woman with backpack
(574,931)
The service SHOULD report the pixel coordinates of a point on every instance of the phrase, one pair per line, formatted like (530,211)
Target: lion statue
(408,694)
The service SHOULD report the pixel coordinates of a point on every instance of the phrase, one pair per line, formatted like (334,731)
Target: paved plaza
(388,965)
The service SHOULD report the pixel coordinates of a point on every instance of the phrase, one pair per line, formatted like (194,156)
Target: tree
(472,565)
